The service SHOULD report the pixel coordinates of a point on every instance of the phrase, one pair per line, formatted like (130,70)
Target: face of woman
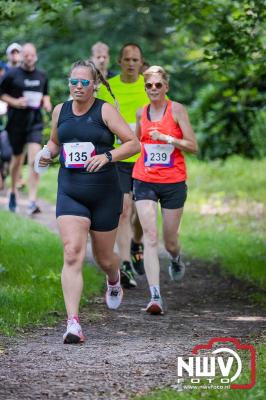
(81,84)
(156,88)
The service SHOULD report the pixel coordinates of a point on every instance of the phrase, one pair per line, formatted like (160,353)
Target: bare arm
(14,102)
(116,124)
(53,143)
(188,143)
(138,119)
(46,103)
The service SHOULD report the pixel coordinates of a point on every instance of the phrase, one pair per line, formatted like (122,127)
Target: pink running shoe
(73,333)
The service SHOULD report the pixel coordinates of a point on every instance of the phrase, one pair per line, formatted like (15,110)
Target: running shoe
(114,295)
(155,306)
(177,269)
(127,275)
(33,208)
(137,257)
(73,333)
(12,204)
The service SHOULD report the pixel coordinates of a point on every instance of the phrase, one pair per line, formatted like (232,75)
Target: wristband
(170,140)
(109,156)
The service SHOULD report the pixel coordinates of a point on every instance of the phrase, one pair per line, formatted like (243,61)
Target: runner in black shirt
(25,90)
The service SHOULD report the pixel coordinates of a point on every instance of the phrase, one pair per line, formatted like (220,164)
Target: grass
(224,216)
(258,392)
(30,267)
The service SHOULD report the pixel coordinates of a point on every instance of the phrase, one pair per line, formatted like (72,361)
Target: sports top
(130,97)
(88,127)
(33,85)
(159,161)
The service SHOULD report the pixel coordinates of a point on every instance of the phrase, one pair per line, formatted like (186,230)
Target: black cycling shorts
(101,203)
(18,140)
(125,170)
(170,195)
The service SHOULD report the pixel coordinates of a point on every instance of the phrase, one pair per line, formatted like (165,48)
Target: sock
(76,317)
(136,246)
(176,258)
(113,283)
(155,290)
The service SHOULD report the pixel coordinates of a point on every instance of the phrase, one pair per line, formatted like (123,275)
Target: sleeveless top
(164,163)
(88,127)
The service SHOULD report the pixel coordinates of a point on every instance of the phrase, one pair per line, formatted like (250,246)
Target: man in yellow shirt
(129,91)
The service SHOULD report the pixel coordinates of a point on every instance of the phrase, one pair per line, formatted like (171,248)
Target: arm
(116,124)
(53,143)
(138,119)
(188,143)
(46,103)
(20,102)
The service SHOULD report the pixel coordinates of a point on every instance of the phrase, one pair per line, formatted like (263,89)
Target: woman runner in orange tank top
(159,174)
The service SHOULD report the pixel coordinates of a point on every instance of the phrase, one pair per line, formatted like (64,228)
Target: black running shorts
(125,170)
(18,140)
(102,203)
(170,195)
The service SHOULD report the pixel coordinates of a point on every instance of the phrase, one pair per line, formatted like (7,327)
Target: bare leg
(147,211)
(171,224)
(103,251)
(124,233)
(33,149)
(15,170)
(74,254)
(136,225)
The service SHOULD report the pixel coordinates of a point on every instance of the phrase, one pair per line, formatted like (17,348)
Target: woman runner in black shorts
(89,198)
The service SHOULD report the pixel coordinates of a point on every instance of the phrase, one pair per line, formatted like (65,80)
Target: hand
(21,102)
(45,161)
(154,134)
(96,162)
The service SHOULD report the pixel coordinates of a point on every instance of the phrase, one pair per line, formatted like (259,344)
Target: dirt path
(128,352)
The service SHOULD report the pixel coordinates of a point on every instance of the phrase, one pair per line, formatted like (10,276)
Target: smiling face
(130,63)
(78,90)
(156,87)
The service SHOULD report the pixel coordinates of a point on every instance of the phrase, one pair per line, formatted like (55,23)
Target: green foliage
(203,44)
(258,134)
(30,269)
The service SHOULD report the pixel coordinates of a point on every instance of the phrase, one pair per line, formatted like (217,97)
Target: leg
(103,251)
(15,170)
(171,223)
(33,149)
(124,232)
(136,225)
(136,243)
(74,254)
(147,211)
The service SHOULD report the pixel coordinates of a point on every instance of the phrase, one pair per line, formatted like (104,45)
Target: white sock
(155,289)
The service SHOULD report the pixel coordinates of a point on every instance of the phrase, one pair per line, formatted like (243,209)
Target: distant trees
(214,51)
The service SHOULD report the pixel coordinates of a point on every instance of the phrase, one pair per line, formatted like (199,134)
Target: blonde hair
(156,69)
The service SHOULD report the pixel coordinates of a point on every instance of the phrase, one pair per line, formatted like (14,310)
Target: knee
(72,254)
(171,243)
(150,237)
(105,263)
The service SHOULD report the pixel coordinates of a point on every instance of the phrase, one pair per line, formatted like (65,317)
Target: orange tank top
(160,162)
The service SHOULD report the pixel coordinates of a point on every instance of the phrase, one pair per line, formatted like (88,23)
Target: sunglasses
(75,81)
(158,85)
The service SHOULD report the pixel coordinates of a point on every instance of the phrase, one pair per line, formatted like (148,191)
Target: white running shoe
(155,306)
(114,295)
(73,333)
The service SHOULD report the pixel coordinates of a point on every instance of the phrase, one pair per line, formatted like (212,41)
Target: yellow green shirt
(130,97)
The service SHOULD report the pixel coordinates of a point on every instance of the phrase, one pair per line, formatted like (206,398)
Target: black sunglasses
(75,81)
(158,85)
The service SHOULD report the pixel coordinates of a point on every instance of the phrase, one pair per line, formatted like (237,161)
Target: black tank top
(88,127)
